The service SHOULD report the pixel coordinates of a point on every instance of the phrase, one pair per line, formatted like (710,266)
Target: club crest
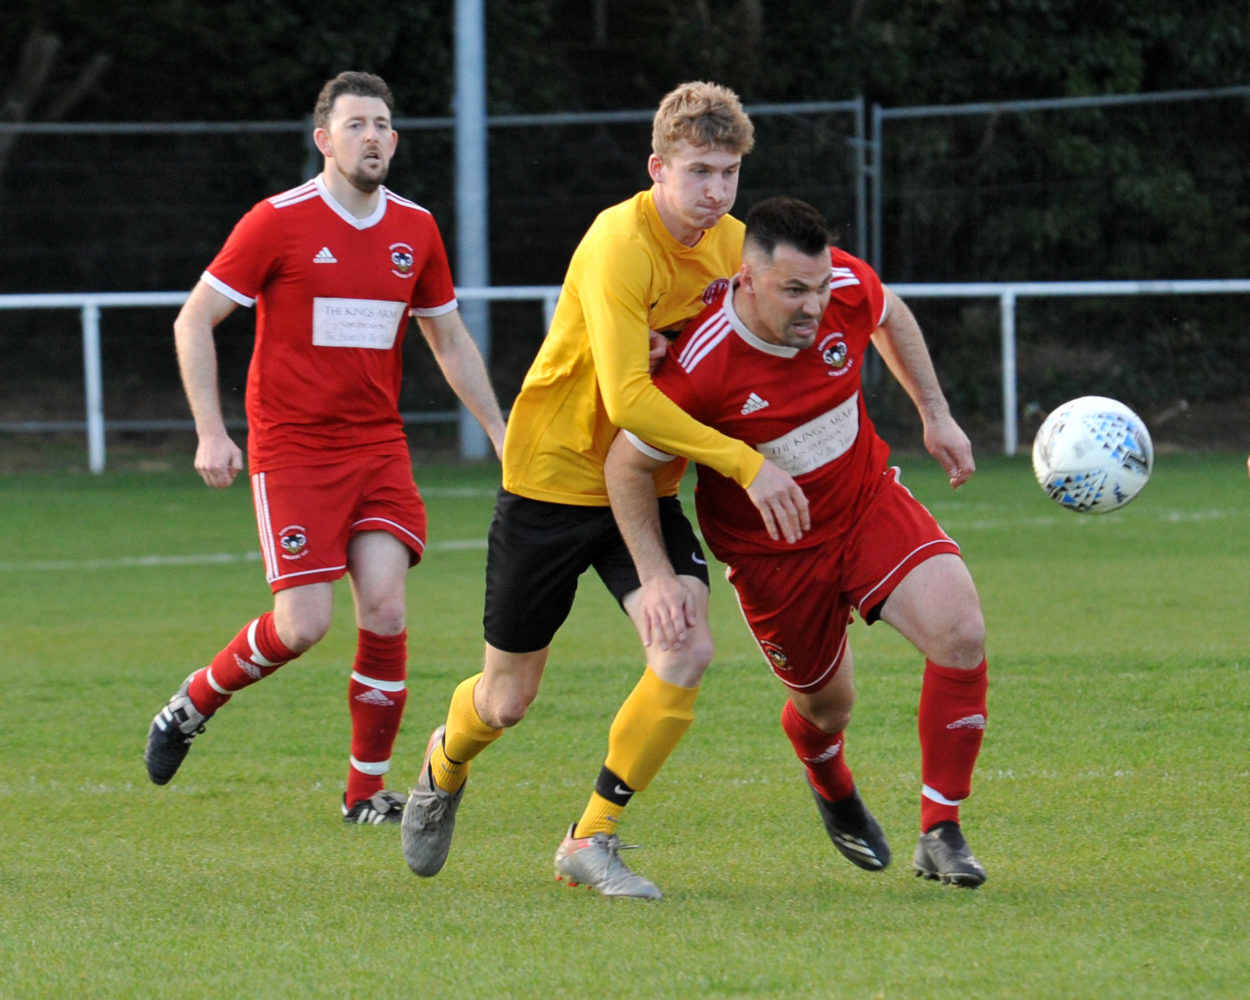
(402,259)
(715,290)
(835,353)
(776,655)
(293,541)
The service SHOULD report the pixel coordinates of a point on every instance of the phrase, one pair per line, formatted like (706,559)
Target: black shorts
(536,551)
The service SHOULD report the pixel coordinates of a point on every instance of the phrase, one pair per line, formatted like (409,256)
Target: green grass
(1110,804)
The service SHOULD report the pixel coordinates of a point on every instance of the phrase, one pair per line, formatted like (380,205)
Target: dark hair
(352,82)
(786,221)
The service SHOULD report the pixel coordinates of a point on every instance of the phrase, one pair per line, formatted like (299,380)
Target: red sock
(951,721)
(820,752)
(252,655)
(376,695)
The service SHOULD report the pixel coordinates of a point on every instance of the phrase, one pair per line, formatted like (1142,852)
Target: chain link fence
(1117,188)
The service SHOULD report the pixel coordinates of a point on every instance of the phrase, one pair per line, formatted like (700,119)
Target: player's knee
(829,710)
(962,642)
(502,706)
(508,686)
(385,617)
(686,664)
(302,632)
(504,713)
(832,718)
(700,652)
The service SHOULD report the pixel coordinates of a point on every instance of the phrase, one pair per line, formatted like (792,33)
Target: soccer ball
(1092,455)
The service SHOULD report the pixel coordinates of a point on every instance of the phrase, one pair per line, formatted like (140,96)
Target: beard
(367,176)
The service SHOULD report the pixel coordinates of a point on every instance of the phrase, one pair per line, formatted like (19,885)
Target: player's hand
(218,460)
(950,447)
(658,348)
(781,503)
(666,612)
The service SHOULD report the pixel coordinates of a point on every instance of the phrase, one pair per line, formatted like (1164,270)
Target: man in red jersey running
(335,267)
(776,361)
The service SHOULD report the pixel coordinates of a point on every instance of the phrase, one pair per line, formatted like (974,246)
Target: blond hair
(706,115)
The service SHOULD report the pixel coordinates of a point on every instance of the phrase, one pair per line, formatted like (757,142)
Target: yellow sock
(601,816)
(647,728)
(466,737)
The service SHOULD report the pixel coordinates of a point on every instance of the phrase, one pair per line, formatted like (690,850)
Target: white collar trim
(372,219)
(740,328)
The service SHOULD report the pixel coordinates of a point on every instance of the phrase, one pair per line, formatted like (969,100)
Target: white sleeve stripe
(446,307)
(648,450)
(226,290)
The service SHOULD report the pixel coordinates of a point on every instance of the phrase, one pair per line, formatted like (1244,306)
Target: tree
(30,93)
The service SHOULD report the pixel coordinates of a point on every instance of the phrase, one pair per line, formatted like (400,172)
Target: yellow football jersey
(628,275)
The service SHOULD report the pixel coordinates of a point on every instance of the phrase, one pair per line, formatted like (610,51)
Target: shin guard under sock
(951,723)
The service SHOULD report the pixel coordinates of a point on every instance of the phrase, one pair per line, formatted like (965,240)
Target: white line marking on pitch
(200,559)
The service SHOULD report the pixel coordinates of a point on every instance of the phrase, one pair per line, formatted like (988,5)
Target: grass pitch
(1109,807)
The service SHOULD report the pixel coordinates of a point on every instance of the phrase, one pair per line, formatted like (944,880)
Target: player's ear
(746,276)
(321,139)
(655,168)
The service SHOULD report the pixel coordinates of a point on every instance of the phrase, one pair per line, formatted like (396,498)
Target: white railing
(90,304)
(1007,293)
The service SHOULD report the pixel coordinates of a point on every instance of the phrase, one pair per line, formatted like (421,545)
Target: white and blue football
(1092,455)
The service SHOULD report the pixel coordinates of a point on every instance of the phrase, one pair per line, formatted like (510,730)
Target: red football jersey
(333,297)
(802,408)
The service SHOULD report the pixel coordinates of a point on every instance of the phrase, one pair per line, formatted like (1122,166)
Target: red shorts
(306,516)
(798,605)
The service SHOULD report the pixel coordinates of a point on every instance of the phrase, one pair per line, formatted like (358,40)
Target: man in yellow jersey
(650,263)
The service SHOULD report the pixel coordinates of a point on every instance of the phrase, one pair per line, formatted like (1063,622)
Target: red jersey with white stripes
(802,408)
(333,296)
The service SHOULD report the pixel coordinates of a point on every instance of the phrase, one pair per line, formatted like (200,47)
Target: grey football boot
(944,856)
(595,862)
(429,818)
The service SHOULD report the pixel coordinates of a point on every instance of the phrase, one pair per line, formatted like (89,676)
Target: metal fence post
(877,172)
(93,384)
(472,195)
(1007,305)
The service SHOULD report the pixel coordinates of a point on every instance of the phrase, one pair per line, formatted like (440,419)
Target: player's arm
(666,608)
(461,363)
(615,318)
(217,458)
(637,406)
(902,347)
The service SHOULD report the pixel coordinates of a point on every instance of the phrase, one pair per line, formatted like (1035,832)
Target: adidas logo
(325,257)
(969,722)
(248,667)
(829,754)
(374,697)
(753,403)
